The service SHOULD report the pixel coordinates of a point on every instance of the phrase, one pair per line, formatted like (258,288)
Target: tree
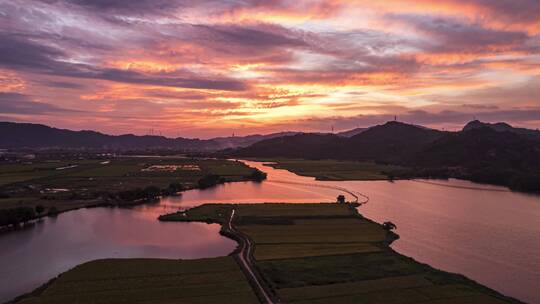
(131,195)
(26,214)
(389,226)
(152,192)
(175,188)
(258,175)
(53,211)
(341,199)
(9,217)
(210,180)
(15,216)
(39,209)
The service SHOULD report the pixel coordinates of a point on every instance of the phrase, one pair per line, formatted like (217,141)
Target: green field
(293,210)
(319,230)
(90,181)
(296,250)
(149,281)
(333,169)
(327,253)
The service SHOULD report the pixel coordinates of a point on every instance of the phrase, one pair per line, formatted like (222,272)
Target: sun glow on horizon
(200,70)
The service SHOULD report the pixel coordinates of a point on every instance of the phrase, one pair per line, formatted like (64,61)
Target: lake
(485,232)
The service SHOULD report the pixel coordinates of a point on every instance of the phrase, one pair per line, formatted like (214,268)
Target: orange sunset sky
(210,68)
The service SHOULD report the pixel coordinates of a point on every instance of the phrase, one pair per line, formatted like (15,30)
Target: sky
(212,68)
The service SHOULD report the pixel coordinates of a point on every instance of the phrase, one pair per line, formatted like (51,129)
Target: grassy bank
(334,170)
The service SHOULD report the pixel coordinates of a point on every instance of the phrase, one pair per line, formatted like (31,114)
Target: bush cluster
(16,216)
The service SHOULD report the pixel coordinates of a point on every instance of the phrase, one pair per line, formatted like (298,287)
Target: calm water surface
(31,257)
(491,235)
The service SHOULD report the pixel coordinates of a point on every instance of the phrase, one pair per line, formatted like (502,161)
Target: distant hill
(503,127)
(481,147)
(390,141)
(304,145)
(351,133)
(491,153)
(244,141)
(405,143)
(23,135)
(36,136)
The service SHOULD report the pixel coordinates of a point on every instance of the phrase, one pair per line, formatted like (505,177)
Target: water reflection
(30,257)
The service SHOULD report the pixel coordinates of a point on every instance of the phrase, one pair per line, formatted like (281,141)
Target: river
(487,233)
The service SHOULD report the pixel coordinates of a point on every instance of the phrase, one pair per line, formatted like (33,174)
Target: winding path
(244,255)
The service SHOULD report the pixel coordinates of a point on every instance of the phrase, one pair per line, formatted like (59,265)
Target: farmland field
(73,183)
(282,251)
(330,230)
(293,210)
(333,169)
(149,281)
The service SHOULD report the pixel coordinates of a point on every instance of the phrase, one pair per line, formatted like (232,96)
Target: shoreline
(322,176)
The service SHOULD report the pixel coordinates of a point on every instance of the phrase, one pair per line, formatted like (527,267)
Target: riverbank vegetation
(61,183)
(340,170)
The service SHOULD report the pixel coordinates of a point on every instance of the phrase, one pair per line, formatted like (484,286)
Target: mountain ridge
(38,136)
(491,153)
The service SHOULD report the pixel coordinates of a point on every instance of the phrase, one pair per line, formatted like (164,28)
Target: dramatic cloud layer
(210,68)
